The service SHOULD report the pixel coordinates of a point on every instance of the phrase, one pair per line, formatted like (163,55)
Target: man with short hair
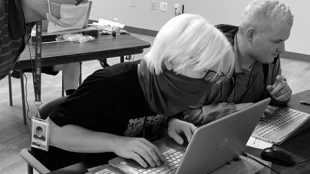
(258,43)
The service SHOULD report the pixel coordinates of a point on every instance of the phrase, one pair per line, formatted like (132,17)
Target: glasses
(214,77)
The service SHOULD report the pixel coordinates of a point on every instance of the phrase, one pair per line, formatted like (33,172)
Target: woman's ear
(168,66)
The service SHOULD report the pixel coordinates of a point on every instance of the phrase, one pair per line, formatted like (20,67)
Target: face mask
(70,14)
(169,93)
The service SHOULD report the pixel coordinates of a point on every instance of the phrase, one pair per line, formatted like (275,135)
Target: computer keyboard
(173,158)
(283,122)
(105,171)
(232,164)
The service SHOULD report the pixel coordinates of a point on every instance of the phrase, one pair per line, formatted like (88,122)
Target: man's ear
(250,34)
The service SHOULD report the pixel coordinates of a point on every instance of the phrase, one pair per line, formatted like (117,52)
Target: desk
(298,147)
(69,52)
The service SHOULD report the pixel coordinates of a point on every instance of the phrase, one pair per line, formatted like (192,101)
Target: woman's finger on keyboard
(152,151)
(175,136)
(155,148)
(146,154)
(139,160)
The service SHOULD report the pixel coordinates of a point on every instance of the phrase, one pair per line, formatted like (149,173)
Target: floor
(14,136)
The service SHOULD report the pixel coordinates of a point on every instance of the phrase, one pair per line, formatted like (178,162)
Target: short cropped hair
(189,40)
(39,128)
(272,10)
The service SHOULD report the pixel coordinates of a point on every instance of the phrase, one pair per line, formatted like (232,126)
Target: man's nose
(281,48)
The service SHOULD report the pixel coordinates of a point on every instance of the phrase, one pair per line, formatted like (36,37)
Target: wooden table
(298,147)
(68,52)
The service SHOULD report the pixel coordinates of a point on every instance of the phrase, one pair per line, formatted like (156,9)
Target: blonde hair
(258,11)
(189,40)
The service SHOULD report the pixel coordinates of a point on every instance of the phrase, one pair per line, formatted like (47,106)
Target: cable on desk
(304,161)
(26,82)
(248,156)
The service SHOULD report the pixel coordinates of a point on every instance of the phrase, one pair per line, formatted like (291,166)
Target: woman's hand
(138,149)
(176,127)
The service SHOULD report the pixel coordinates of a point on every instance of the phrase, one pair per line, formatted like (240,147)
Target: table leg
(10,89)
(23,95)
(122,58)
(80,82)
(130,58)
(62,86)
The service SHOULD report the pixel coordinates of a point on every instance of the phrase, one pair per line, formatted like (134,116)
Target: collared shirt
(10,47)
(246,85)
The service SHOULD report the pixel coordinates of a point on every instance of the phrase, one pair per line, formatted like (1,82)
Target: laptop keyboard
(277,122)
(173,158)
(105,171)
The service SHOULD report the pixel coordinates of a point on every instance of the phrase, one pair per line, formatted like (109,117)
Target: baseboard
(296,56)
(141,31)
(286,55)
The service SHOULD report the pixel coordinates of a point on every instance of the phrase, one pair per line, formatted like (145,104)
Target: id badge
(39,134)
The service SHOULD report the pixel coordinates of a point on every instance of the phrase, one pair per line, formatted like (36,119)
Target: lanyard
(37,73)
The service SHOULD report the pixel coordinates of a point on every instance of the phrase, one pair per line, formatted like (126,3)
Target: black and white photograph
(39,134)
(154,86)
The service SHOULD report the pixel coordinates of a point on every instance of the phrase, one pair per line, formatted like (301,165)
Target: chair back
(51,159)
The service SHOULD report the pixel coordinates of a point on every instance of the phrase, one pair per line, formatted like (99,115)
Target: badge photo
(39,134)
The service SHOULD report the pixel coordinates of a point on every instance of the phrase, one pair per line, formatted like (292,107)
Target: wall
(216,11)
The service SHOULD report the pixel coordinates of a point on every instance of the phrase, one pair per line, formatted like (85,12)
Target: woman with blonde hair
(119,108)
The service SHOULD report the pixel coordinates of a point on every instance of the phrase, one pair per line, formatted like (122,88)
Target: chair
(23,90)
(32,161)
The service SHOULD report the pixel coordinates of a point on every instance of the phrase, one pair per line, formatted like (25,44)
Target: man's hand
(176,127)
(280,90)
(78,2)
(270,110)
(138,149)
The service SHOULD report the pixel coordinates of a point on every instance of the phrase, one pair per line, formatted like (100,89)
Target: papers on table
(257,143)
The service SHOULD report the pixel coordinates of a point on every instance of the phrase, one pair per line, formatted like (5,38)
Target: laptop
(211,146)
(283,125)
